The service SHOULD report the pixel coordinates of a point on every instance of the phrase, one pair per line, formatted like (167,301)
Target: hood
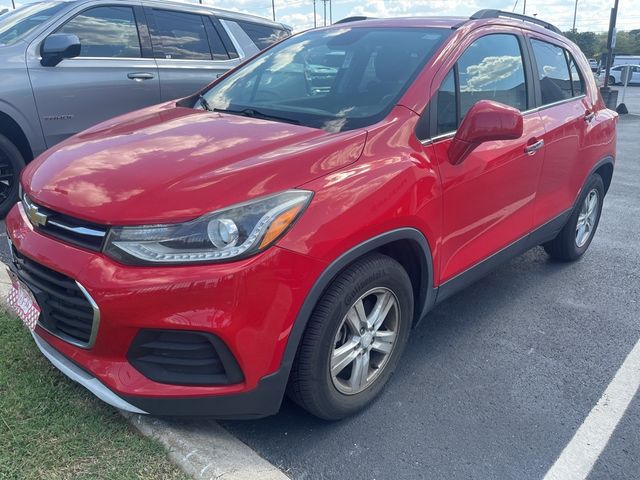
(170,164)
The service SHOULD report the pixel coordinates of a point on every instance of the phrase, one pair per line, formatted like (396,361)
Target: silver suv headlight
(231,233)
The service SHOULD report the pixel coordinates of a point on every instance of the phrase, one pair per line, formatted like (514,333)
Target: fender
(265,399)
(425,301)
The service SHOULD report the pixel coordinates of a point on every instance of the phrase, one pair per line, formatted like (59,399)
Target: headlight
(232,233)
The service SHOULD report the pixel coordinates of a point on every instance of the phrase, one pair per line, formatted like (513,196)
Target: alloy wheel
(6,176)
(365,340)
(587,218)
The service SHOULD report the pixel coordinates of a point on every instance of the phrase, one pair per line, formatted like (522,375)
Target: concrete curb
(202,448)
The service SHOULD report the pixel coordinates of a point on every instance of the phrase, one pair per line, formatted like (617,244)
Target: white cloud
(592,14)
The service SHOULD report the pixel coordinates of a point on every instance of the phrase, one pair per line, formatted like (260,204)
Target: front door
(488,198)
(109,78)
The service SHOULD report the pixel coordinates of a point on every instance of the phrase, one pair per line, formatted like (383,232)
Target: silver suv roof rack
(493,13)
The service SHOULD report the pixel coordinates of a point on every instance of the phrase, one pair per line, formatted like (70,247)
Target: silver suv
(66,66)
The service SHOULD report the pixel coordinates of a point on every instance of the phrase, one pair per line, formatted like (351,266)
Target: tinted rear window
(553,72)
(180,35)
(262,35)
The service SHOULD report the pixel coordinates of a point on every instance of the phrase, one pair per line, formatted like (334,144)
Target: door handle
(588,116)
(534,147)
(140,76)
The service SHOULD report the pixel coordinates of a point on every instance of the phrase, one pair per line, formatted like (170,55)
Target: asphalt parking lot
(496,381)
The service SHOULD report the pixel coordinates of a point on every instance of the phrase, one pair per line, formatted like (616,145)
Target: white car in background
(615,75)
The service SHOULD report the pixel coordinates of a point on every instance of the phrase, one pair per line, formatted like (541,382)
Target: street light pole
(575,12)
(273,8)
(524,8)
(315,22)
(610,40)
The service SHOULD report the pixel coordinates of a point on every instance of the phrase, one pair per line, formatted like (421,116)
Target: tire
(11,164)
(570,245)
(612,80)
(311,384)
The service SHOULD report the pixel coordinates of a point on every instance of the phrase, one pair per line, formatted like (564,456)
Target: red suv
(285,228)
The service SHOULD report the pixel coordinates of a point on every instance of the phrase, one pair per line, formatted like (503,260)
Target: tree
(587,41)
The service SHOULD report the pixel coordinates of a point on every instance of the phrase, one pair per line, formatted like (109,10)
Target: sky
(592,15)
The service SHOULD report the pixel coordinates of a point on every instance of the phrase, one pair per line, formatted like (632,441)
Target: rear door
(488,198)
(190,50)
(114,73)
(568,114)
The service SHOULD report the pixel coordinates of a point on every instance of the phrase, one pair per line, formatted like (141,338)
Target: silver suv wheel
(364,340)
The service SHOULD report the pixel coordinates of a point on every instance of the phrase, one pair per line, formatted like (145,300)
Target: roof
(482,17)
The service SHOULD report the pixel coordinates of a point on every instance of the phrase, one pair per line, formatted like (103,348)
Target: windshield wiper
(253,113)
(204,103)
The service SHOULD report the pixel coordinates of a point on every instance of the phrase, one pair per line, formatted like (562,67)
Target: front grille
(68,229)
(183,358)
(66,311)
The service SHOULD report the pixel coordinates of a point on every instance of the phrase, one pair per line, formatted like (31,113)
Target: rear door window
(108,32)
(262,35)
(553,72)
(577,81)
(180,35)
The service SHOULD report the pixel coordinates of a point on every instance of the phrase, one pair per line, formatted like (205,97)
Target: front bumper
(250,305)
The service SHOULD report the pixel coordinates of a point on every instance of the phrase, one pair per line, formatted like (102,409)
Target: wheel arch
(604,168)
(408,246)
(12,130)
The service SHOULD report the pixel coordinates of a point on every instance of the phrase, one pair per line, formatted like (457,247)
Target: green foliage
(51,428)
(594,44)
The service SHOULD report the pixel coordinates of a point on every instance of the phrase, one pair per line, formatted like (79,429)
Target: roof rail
(351,19)
(493,13)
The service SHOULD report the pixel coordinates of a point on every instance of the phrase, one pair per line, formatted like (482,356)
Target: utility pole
(273,8)
(324,4)
(330,13)
(315,23)
(524,8)
(13,4)
(610,42)
(575,12)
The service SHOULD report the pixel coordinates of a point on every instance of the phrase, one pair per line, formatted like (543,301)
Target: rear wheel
(354,339)
(612,80)
(11,164)
(576,236)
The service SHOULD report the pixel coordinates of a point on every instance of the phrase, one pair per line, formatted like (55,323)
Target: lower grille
(67,311)
(183,358)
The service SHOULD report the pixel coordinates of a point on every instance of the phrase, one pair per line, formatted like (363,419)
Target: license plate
(22,301)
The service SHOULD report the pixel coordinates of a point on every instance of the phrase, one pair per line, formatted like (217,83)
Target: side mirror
(57,47)
(484,122)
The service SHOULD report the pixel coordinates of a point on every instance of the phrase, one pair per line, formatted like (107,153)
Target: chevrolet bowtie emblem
(37,218)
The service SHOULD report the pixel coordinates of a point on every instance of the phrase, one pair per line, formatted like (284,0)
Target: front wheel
(576,236)
(11,164)
(354,338)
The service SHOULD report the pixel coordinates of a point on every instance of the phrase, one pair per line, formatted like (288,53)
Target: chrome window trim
(110,58)
(559,102)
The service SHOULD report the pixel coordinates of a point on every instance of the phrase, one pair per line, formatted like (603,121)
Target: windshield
(19,22)
(335,79)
